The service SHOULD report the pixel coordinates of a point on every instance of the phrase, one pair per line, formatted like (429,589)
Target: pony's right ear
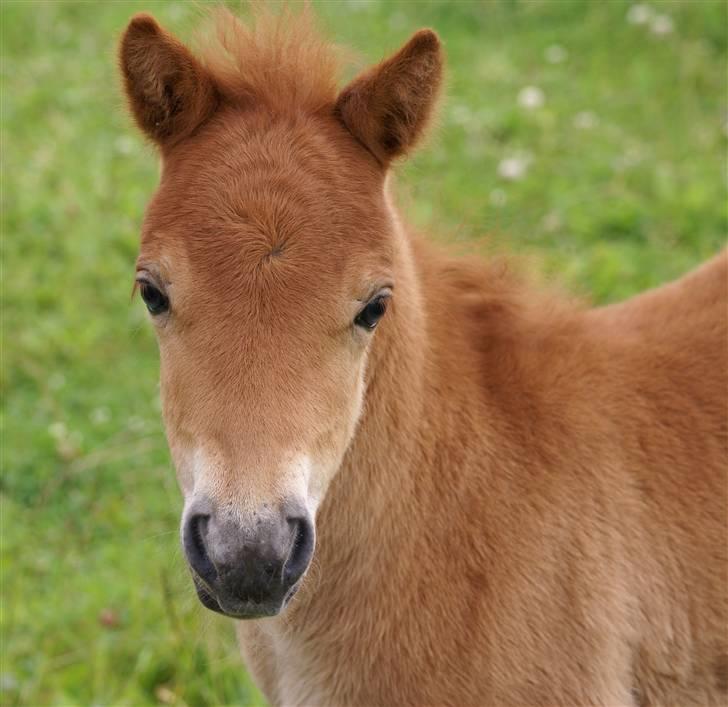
(170,93)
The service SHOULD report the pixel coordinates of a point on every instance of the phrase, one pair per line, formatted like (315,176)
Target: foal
(425,483)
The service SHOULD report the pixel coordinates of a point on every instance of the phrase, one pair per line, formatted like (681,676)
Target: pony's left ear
(170,93)
(389,106)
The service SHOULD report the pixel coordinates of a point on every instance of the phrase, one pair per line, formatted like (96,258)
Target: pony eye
(374,310)
(154,299)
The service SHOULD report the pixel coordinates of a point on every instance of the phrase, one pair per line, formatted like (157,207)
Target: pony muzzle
(247,569)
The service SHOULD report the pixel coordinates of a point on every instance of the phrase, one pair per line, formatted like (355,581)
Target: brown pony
(426,483)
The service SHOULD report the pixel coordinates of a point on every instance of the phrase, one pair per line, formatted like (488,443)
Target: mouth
(242,609)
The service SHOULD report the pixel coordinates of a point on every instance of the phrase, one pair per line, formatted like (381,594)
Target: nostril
(195,549)
(301,549)
(196,529)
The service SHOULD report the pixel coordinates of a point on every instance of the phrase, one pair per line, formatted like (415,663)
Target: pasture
(590,137)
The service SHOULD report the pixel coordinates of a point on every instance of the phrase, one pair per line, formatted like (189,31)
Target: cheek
(356,399)
(183,461)
(348,398)
(346,405)
(182,443)
(351,402)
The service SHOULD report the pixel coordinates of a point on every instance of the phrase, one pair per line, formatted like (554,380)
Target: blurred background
(590,135)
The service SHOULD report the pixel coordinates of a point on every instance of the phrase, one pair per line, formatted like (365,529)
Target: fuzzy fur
(522,500)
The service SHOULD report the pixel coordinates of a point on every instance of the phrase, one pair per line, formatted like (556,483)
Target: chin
(243,609)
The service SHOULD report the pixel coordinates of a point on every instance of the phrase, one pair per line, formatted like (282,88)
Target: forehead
(251,194)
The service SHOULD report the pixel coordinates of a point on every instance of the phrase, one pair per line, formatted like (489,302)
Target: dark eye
(154,299)
(372,313)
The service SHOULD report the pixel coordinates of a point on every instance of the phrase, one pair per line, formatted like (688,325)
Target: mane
(280,58)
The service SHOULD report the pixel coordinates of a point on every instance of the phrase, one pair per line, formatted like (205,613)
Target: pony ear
(388,107)
(169,91)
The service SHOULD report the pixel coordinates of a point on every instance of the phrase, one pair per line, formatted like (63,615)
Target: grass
(623,186)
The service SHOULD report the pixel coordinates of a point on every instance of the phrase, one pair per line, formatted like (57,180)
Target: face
(265,279)
(267,265)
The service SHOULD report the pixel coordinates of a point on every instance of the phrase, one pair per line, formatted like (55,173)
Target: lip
(235,609)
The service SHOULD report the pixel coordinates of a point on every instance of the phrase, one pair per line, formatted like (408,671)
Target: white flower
(58,430)
(124,145)
(135,423)
(398,20)
(552,221)
(531,97)
(498,197)
(556,54)
(514,168)
(100,415)
(661,25)
(56,381)
(585,120)
(359,5)
(461,114)
(639,14)
(176,12)
(630,158)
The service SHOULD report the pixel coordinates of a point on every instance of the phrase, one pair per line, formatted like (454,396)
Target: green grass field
(589,134)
